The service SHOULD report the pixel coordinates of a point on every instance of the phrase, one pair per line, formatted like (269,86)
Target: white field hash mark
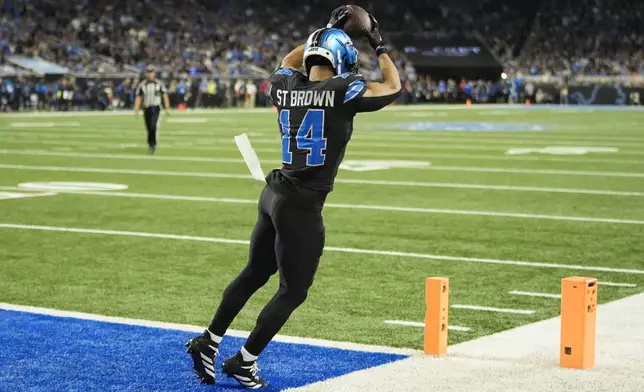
(329,249)
(355,207)
(199,329)
(491,309)
(341,180)
(532,294)
(422,325)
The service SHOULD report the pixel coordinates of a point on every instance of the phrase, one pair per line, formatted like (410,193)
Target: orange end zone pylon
(578,321)
(436,318)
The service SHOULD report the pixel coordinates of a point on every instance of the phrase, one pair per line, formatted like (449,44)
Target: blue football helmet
(335,46)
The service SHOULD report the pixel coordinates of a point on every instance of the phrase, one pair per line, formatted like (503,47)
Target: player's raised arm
(390,84)
(295,59)
(379,94)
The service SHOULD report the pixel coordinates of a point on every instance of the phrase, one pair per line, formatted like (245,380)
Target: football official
(149,92)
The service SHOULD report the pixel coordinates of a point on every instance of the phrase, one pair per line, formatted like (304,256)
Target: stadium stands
(195,40)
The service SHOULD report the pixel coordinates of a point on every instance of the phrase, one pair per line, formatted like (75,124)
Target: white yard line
(532,294)
(630,285)
(405,154)
(200,329)
(357,207)
(22,195)
(273,141)
(233,160)
(136,157)
(532,171)
(341,180)
(491,309)
(328,248)
(422,325)
(365,133)
(107,137)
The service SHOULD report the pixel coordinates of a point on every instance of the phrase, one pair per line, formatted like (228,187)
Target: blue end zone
(46,353)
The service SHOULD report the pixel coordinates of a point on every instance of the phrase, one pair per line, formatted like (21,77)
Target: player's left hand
(339,17)
(167,113)
(373,35)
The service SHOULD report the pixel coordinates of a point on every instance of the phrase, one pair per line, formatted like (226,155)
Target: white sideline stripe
(342,180)
(233,160)
(602,283)
(355,207)
(504,158)
(422,325)
(199,329)
(531,294)
(329,249)
(490,309)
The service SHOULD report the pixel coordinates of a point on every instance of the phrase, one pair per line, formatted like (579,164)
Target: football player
(315,119)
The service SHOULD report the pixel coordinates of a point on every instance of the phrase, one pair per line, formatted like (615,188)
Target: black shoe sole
(198,367)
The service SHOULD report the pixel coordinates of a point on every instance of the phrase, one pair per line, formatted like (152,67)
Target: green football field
(426,191)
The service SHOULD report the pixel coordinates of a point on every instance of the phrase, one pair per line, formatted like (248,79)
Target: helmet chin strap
(339,60)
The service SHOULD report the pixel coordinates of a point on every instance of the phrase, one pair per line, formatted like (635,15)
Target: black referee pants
(151,115)
(286,238)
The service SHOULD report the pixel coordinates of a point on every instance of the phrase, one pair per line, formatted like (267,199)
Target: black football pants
(151,115)
(286,238)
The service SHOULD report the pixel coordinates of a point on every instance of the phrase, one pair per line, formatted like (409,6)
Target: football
(358,17)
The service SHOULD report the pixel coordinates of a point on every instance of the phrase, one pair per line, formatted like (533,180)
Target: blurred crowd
(217,40)
(104,94)
(590,37)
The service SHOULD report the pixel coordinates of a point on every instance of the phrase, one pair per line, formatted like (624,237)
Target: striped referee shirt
(151,91)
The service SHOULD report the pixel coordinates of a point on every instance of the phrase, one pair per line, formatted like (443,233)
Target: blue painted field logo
(468,127)
(561,150)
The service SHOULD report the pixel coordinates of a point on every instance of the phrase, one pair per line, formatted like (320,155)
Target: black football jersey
(315,120)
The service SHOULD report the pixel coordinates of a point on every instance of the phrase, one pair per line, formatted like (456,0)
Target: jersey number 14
(310,136)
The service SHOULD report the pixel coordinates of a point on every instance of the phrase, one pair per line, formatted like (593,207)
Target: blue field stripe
(42,353)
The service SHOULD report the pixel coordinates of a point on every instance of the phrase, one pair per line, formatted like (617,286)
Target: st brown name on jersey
(294,98)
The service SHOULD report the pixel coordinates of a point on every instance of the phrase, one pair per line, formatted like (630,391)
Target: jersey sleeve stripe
(284,71)
(354,90)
